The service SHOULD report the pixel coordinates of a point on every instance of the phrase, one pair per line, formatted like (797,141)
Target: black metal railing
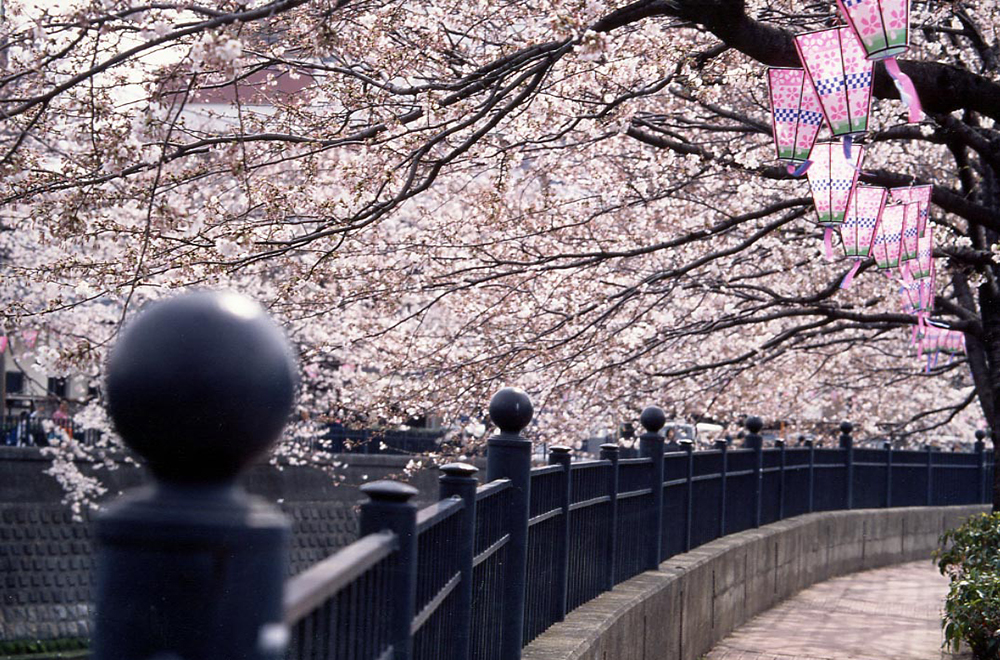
(194,568)
(35,431)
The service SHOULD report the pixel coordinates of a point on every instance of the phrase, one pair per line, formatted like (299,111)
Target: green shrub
(970,556)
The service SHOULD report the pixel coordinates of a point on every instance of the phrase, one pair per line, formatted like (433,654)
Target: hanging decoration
(911,234)
(888,237)
(3,344)
(883,29)
(919,194)
(796,117)
(832,177)
(930,343)
(842,77)
(858,229)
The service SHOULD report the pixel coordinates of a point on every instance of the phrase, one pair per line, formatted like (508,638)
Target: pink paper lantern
(882,28)
(857,233)
(832,178)
(923,264)
(796,114)
(888,237)
(911,234)
(841,75)
(919,194)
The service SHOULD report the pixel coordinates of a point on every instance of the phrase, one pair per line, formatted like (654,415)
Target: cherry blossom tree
(436,198)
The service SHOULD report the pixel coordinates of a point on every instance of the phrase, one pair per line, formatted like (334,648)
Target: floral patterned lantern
(832,178)
(919,194)
(888,237)
(883,30)
(842,77)
(921,266)
(795,116)
(858,230)
(911,234)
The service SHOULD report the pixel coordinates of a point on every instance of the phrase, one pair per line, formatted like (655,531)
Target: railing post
(930,475)
(780,444)
(723,447)
(194,567)
(389,508)
(756,442)
(812,471)
(847,443)
(610,452)
(980,448)
(459,480)
(888,474)
(651,446)
(509,457)
(688,448)
(560,455)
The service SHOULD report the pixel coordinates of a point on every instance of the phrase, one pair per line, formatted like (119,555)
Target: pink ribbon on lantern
(828,242)
(849,278)
(907,92)
(3,344)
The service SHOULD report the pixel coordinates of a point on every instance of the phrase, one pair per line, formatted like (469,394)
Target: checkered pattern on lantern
(859,80)
(852,3)
(785,114)
(820,185)
(811,117)
(866,223)
(829,86)
(841,184)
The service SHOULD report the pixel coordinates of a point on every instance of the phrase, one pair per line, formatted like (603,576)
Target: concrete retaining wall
(695,599)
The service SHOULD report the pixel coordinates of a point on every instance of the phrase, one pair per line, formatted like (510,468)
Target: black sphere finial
(846,427)
(511,410)
(200,385)
(653,419)
(980,435)
(754,424)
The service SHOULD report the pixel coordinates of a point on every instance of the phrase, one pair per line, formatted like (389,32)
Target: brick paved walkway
(885,614)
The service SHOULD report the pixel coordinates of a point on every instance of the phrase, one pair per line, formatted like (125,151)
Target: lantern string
(849,278)
(907,91)
(800,170)
(828,242)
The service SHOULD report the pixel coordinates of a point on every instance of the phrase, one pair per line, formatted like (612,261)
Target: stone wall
(46,557)
(695,599)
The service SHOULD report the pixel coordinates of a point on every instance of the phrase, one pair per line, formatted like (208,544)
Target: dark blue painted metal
(509,457)
(389,509)
(651,446)
(756,442)
(459,480)
(560,455)
(688,447)
(888,474)
(980,449)
(171,556)
(812,474)
(930,475)
(723,447)
(847,443)
(780,444)
(609,452)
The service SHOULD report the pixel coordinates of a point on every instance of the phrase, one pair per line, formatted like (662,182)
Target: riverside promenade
(891,613)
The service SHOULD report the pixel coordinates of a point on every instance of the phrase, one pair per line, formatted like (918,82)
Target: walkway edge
(697,598)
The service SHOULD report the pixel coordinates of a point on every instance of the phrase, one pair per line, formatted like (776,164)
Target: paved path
(885,614)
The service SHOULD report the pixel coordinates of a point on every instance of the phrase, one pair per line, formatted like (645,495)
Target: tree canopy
(578,197)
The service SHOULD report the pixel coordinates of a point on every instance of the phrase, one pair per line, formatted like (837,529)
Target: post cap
(779,443)
(809,443)
(653,419)
(886,445)
(686,444)
(459,470)
(754,424)
(980,434)
(560,449)
(511,410)
(721,444)
(609,446)
(389,491)
(201,384)
(846,427)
